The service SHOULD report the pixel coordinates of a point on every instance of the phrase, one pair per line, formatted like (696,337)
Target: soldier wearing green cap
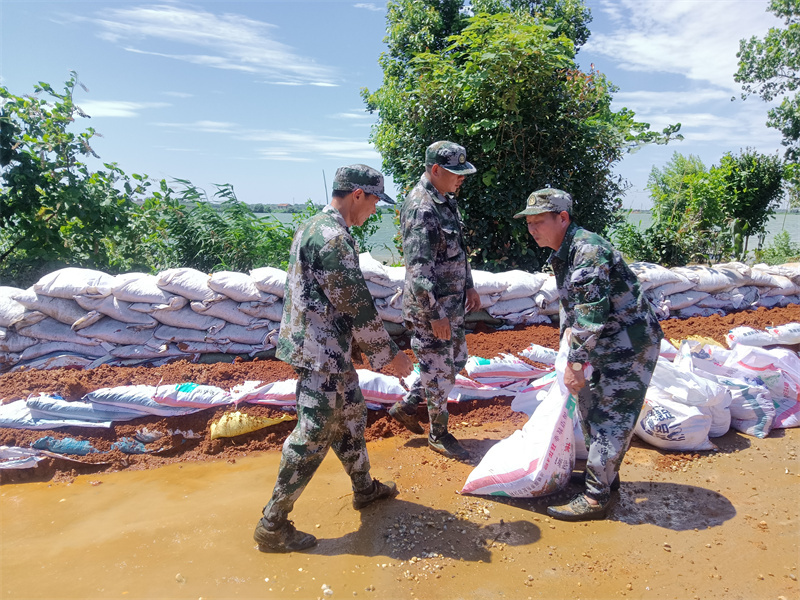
(327,311)
(611,326)
(438,289)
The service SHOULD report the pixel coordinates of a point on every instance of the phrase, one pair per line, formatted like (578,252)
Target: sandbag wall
(82,318)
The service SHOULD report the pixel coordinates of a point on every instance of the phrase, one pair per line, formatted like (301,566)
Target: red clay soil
(74,384)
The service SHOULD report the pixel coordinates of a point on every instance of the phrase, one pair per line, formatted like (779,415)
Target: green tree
(769,69)
(507,89)
(54,210)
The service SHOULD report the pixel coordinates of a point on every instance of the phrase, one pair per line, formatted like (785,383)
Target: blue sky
(265,95)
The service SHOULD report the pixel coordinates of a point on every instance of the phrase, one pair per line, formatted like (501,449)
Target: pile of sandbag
(699,291)
(80,317)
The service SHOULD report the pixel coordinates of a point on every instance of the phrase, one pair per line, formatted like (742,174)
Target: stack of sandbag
(80,317)
(517,297)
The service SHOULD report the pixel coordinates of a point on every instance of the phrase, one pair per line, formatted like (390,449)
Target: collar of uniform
(438,197)
(562,253)
(335,214)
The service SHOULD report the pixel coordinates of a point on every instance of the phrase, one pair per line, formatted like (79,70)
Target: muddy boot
(448,445)
(579,509)
(376,492)
(406,414)
(281,537)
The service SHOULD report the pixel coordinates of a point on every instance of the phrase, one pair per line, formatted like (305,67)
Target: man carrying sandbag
(438,289)
(327,308)
(609,325)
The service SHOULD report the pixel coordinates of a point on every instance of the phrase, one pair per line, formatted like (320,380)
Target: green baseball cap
(546,200)
(450,156)
(360,177)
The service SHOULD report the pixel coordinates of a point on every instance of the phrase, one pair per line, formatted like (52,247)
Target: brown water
(723,526)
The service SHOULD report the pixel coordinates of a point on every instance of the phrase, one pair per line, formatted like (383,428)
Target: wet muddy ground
(722,524)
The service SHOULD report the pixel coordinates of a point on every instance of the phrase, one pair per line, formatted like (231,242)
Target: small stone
(180,578)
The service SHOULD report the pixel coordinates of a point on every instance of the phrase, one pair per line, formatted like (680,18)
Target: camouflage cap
(546,200)
(450,156)
(360,177)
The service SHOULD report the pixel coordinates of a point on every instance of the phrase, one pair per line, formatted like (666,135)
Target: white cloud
(222,41)
(113,108)
(368,6)
(178,94)
(696,39)
(299,144)
(203,126)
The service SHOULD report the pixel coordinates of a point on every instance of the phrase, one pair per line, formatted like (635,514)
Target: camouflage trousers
(439,363)
(610,404)
(330,414)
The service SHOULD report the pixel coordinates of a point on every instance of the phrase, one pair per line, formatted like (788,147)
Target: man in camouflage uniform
(610,326)
(327,308)
(438,288)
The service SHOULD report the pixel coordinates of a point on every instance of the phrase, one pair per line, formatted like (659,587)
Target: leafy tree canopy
(506,87)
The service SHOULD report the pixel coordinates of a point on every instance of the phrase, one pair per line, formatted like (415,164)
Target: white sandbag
(668,289)
(148,351)
(547,294)
(380,291)
(227,310)
(502,367)
(64,310)
(489,300)
(93,317)
(696,311)
(239,287)
(188,319)
(487,283)
(373,270)
(192,395)
(671,425)
(667,350)
(137,397)
(387,313)
(189,283)
(528,316)
(788,270)
(73,281)
(117,309)
(44,406)
(56,361)
(507,307)
(396,276)
(13,342)
(549,309)
(43,348)
(679,383)
(528,399)
(522,284)
(269,280)
(540,354)
(377,387)
(651,275)
(779,301)
(783,286)
(272,311)
(55,331)
(747,336)
(179,334)
(684,299)
(114,332)
(277,393)
(787,413)
(14,457)
(465,389)
(752,409)
(711,280)
(17,415)
(11,311)
(253,336)
(536,460)
(224,347)
(142,288)
(785,334)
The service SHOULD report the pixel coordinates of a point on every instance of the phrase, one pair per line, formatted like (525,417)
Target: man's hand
(441,328)
(574,380)
(401,364)
(473,300)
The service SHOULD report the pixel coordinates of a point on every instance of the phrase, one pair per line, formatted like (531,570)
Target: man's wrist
(576,366)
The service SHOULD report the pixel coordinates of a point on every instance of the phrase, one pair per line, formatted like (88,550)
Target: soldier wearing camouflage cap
(607,323)
(438,289)
(327,311)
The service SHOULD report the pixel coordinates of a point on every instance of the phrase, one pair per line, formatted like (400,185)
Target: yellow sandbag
(697,338)
(238,423)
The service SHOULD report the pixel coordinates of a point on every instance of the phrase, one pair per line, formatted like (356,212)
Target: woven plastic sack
(238,423)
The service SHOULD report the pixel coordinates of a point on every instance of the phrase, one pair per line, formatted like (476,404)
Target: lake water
(383,246)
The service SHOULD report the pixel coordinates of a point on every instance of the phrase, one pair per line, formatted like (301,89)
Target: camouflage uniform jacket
(600,296)
(327,305)
(434,251)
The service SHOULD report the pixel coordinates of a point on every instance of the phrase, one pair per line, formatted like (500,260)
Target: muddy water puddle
(717,526)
